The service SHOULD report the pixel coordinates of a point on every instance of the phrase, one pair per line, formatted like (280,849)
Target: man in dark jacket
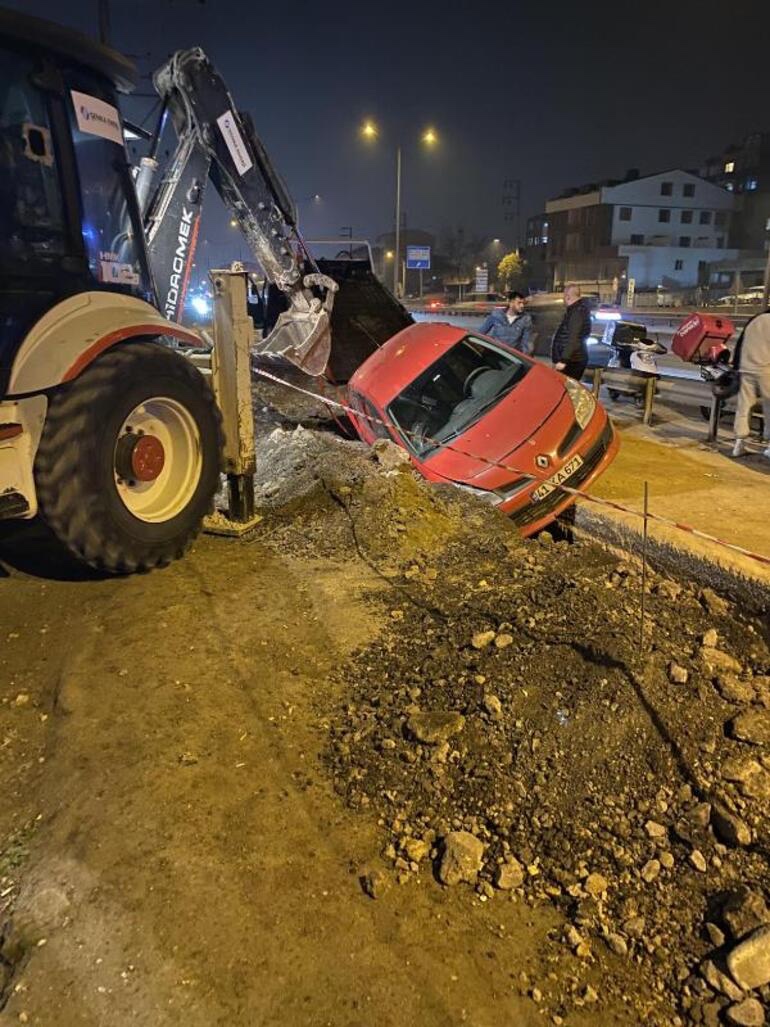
(511,325)
(569,352)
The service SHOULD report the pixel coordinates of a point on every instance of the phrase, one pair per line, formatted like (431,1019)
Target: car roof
(398,362)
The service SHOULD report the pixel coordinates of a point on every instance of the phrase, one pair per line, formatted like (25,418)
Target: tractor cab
(69,219)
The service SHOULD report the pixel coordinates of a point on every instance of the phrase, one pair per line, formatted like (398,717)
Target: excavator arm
(216,141)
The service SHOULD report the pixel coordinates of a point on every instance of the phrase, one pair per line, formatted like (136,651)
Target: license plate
(557,479)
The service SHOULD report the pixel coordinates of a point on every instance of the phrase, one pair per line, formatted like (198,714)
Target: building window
(751,185)
(729,186)
(684,241)
(705,217)
(688,189)
(625,213)
(720,217)
(637,240)
(720,242)
(678,265)
(729,167)
(664,214)
(666,188)
(686,217)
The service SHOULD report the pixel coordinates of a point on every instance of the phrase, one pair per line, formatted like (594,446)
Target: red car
(461,404)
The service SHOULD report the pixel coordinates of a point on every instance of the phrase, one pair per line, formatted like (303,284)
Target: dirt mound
(510,706)
(323,495)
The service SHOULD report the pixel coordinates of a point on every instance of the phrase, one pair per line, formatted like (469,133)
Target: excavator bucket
(364,315)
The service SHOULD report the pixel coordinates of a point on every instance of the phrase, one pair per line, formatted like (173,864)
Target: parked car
(462,405)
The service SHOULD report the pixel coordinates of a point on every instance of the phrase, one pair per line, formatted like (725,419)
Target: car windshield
(454,392)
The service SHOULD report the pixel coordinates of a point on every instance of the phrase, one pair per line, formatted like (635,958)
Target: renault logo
(542,460)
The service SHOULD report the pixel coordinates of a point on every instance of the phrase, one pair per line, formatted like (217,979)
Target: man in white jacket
(752,360)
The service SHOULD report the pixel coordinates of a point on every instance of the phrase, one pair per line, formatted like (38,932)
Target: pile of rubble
(511,736)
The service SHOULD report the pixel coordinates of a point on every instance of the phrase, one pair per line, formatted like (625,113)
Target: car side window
(373,419)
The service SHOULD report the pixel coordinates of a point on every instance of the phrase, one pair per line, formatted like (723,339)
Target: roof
(384,374)
(46,35)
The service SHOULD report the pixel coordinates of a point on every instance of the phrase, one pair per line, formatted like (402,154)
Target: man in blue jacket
(512,325)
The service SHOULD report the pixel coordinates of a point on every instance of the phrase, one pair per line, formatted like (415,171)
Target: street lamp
(429,138)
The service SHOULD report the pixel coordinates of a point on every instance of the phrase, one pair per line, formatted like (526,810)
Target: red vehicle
(462,404)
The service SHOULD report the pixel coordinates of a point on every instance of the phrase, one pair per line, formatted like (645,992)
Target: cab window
(373,420)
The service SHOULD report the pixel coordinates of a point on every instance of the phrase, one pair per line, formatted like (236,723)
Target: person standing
(512,325)
(752,362)
(569,351)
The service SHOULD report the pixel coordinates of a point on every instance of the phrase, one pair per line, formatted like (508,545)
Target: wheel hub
(139,457)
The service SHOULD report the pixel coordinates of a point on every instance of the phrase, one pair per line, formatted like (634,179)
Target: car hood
(502,430)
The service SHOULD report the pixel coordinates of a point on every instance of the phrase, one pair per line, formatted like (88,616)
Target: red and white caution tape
(761,558)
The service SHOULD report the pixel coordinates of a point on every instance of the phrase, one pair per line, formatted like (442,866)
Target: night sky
(514,90)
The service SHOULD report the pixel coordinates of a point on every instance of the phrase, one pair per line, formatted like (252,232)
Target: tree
(511,272)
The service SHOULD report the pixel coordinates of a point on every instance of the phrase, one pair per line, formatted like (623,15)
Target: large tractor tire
(129,459)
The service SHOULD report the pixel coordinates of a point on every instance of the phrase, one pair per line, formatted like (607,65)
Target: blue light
(201,305)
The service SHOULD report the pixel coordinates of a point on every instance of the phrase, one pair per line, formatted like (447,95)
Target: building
(660,230)
(744,170)
(536,252)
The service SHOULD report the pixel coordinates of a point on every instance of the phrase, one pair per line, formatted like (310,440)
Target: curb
(669,550)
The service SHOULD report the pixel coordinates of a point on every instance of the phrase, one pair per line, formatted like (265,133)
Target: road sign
(418,258)
(482,279)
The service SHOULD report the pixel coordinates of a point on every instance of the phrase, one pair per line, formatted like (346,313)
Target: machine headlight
(582,400)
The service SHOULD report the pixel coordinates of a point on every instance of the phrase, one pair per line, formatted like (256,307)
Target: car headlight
(483,494)
(582,400)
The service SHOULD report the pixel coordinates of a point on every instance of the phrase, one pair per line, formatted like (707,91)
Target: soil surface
(379,762)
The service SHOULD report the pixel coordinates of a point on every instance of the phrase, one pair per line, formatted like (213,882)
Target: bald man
(569,351)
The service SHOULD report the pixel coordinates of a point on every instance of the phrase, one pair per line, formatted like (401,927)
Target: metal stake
(644,571)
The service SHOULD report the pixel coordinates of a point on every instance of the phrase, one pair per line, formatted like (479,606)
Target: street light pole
(397,261)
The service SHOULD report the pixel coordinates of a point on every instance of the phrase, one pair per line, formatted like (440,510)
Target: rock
(719,662)
(749,1013)
(743,911)
(389,455)
(655,830)
(698,860)
(502,641)
(595,885)
(752,778)
(493,706)
(752,726)
(729,828)
(734,690)
(677,673)
(634,926)
(710,638)
(482,639)
(509,875)
(720,981)
(650,870)
(667,860)
(712,602)
(590,995)
(716,937)
(416,849)
(461,858)
(434,727)
(749,961)
(616,943)
(22,699)
(375,883)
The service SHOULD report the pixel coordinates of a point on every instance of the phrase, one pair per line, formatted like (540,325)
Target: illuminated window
(729,167)
(751,184)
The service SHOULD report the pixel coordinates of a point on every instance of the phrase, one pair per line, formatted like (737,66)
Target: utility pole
(397,260)
(103,10)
